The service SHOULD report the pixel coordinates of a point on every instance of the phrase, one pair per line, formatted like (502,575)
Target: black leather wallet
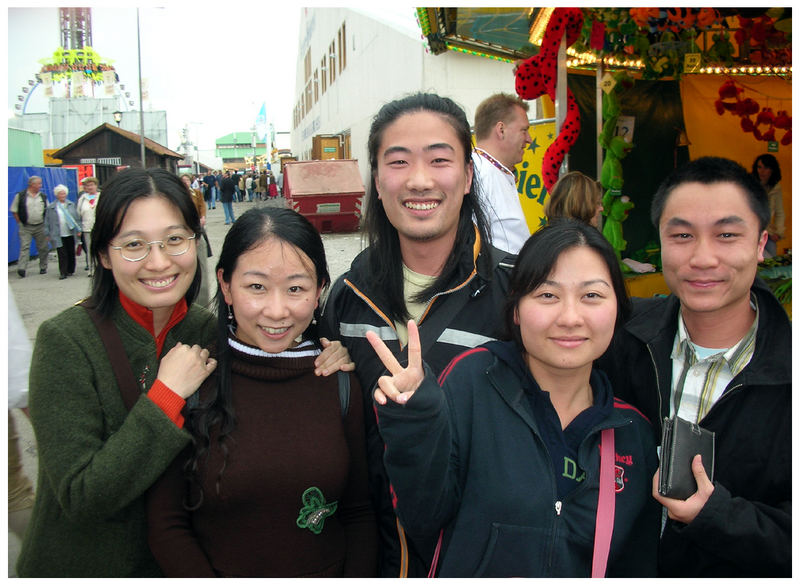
(680,443)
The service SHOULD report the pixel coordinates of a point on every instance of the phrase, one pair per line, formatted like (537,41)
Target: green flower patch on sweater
(315,510)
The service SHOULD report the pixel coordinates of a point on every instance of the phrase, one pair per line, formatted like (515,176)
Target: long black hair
(539,256)
(124,188)
(771,163)
(249,231)
(385,262)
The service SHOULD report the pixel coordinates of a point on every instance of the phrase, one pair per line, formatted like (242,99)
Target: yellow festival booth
(715,134)
(683,68)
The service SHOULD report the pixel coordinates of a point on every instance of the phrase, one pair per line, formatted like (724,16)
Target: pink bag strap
(606,499)
(435,561)
(604,522)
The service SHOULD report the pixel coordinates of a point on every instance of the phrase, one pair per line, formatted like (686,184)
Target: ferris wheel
(75,69)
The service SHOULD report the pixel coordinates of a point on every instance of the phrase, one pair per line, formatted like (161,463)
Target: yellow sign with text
(531,189)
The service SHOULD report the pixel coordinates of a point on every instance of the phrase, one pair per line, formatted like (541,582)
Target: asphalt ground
(40,297)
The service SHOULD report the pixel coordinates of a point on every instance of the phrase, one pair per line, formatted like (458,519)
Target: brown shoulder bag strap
(120,364)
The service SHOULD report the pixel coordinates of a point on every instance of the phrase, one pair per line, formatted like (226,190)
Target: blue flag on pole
(261,123)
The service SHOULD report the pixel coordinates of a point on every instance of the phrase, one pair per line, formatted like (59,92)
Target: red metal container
(329,193)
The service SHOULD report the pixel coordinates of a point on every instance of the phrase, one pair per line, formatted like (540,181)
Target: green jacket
(96,459)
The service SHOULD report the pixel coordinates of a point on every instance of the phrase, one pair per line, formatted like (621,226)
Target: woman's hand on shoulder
(333,358)
(403,382)
(184,368)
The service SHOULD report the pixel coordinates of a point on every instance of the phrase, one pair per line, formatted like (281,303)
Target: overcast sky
(209,65)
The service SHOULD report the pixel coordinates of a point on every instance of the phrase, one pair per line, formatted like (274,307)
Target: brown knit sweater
(289,437)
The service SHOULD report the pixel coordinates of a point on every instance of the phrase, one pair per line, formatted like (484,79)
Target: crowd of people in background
(245,185)
(65,226)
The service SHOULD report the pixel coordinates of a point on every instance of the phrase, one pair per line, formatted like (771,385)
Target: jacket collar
(772,358)
(468,267)
(144,317)
(508,380)
(657,324)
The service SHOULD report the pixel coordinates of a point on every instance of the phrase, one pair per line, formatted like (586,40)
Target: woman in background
(86,211)
(203,295)
(62,226)
(576,196)
(768,172)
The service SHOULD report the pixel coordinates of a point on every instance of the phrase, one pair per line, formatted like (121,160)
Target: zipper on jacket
(553,538)
(436,296)
(723,397)
(725,394)
(658,385)
(557,504)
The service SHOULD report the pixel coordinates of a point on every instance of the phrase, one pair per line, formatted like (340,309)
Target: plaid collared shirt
(698,382)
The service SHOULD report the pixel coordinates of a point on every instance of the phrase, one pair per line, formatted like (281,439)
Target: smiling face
(61,195)
(710,248)
(568,320)
(422,176)
(273,291)
(158,281)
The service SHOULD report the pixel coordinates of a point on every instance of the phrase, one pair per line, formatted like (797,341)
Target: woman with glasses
(105,436)
(109,378)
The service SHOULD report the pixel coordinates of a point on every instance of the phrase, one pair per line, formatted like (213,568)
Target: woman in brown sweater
(275,484)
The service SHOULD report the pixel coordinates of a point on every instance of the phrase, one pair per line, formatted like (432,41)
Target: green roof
(238,138)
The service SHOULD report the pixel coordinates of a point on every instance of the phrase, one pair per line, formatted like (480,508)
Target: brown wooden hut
(110,148)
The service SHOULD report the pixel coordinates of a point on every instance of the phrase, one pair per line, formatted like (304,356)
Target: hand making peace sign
(400,386)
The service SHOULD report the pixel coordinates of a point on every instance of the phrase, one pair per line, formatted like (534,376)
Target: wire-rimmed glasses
(138,249)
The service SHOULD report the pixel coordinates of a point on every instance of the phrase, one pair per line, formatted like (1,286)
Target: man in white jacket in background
(501,136)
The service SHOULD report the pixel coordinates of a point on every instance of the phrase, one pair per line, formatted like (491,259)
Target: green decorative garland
(661,38)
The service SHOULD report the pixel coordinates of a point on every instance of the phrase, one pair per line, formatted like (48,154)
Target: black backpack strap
(502,259)
(327,306)
(344,392)
(120,364)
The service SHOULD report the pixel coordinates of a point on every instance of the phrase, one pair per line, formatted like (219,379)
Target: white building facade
(351,63)
(68,119)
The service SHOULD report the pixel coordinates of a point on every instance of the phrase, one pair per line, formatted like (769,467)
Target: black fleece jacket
(745,528)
